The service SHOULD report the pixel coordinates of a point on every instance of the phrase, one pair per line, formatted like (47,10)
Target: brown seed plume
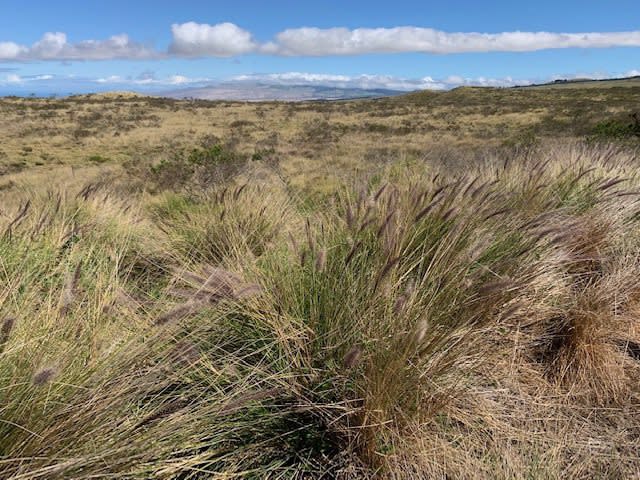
(179,312)
(321,260)
(43,376)
(70,289)
(352,252)
(5,331)
(421,331)
(185,353)
(380,192)
(168,409)
(352,357)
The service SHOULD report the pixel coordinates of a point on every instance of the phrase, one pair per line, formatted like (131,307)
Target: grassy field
(589,83)
(312,141)
(439,285)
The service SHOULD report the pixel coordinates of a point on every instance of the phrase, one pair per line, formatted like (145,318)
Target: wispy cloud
(13,78)
(150,79)
(377,81)
(149,82)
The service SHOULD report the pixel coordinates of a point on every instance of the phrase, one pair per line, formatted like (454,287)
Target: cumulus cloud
(342,41)
(203,40)
(55,46)
(193,39)
(11,50)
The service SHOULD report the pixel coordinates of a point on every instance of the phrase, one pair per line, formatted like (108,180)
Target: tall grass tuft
(422,322)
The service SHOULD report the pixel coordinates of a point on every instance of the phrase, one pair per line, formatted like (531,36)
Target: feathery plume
(426,209)
(248,291)
(238,191)
(494,287)
(185,353)
(400,304)
(310,240)
(164,411)
(5,331)
(321,259)
(7,326)
(352,252)
(421,331)
(179,312)
(380,192)
(70,289)
(43,376)
(349,217)
(352,357)
(253,396)
(392,262)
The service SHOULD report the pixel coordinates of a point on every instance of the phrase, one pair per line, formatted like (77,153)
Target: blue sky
(73,46)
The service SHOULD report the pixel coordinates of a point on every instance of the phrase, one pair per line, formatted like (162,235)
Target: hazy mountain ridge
(264,91)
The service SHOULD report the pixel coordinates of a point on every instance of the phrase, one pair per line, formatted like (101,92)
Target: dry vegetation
(321,290)
(312,140)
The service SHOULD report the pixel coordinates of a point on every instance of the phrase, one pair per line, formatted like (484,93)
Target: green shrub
(616,129)
(200,168)
(98,159)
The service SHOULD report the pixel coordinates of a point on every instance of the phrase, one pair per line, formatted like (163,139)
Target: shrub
(198,169)
(618,129)
(98,159)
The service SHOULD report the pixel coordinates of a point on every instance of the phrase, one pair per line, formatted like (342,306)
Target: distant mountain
(245,91)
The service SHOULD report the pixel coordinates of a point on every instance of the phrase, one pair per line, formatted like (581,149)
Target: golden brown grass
(465,315)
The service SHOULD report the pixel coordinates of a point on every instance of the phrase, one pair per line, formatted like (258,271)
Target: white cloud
(377,81)
(632,73)
(193,39)
(13,78)
(179,80)
(110,79)
(582,76)
(341,41)
(148,78)
(55,46)
(202,40)
(11,50)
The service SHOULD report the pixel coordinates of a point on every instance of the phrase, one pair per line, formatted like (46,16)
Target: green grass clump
(418,324)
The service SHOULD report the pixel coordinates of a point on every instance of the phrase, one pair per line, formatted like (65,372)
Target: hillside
(433,285)
(253,91)
(313,141)
(589,83)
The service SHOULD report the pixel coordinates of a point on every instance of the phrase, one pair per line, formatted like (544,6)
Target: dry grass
(464,315)
(313,141)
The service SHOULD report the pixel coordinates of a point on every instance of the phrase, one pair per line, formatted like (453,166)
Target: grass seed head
(44,376)
(352,357)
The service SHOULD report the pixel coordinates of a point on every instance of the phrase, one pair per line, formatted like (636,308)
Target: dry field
(313,141)
(440,285)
